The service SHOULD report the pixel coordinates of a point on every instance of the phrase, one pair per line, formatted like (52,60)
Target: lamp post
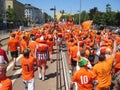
(54,9)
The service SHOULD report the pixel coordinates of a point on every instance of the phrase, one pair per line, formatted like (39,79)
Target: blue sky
(72,6)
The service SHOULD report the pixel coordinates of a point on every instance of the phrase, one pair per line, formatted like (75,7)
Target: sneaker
(43,78)
(52,61)
(40,76)
(70,72)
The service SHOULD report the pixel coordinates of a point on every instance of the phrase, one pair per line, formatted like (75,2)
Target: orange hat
(39,40)
(103,50)
(103,44)
(81,43)
(59,34)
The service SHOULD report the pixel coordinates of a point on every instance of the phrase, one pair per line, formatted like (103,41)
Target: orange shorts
(41,63)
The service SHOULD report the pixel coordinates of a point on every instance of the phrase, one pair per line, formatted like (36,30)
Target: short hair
(82,53)
(33,38)
(101,57)
(26,52)
(13,35)
(24,37)
(3,66)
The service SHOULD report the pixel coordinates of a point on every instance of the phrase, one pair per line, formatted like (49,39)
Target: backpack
(91,58)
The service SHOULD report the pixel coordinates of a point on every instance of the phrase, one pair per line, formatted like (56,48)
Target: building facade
(2,12)
(33,14)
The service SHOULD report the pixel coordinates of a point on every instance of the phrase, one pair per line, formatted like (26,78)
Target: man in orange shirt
(23,44)
(103,70)
(13,47)
(5,83)
(84,77)
(32,44)
(27,63)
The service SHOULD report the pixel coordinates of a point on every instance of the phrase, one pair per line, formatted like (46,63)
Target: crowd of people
(93,55)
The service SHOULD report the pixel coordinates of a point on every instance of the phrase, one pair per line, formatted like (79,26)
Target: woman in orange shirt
(13,47)
(32,44)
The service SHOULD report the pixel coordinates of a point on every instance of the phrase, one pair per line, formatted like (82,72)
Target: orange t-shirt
(117,60)
(13,44)
(103,72)
(23,45)
(50,45)
(74,51)
(84,78)
(117,57)
(27,67)
(32,46)
(6,84)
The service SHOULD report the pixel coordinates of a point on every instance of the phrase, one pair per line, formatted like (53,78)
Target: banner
(86,25)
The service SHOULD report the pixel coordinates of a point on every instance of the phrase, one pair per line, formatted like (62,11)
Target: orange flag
(86,25)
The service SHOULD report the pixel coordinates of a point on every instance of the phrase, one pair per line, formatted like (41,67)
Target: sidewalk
(3,34)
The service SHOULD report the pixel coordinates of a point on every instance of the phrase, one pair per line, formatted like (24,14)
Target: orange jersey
(73,52)
(6,84)
(27,67)
(103,72)
(84,78)
(23,45)
(50,45)
(32,46)
(117,60)
(13,44)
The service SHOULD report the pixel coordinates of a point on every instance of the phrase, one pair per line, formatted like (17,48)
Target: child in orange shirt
(27,63)
(83,77)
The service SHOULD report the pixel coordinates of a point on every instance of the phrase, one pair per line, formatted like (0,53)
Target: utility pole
(80,13)
(54,9)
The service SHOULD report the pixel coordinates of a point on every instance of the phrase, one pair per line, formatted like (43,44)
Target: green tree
(84,16)
(108,8)
(109,16)
(11,16)
(92,12)
(98,18)
(117,19)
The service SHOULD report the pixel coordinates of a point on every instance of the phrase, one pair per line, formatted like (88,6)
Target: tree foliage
(107,18)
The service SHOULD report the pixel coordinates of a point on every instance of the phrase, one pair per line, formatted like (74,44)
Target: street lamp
(54,9)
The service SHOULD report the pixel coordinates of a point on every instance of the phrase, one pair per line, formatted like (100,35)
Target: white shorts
(30,84)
